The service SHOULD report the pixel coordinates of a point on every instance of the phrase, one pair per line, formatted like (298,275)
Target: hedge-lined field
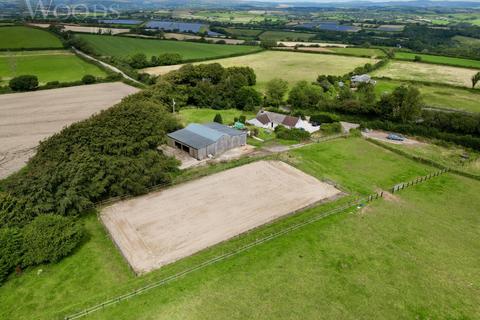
(124,47)
(416,71)
(19,37)
(291,66)
(362,257)
(459,62)
(360,52)
(286,35)
(61,66)
(438,96)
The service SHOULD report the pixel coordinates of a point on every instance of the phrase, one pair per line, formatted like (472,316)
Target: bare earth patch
(162,227)
(27,118)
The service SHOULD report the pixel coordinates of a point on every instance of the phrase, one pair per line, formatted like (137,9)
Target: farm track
(106,65)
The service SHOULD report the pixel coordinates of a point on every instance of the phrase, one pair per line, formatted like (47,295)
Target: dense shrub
(24,83)
(166,59)
(218,118)
(49,238)
(88,79)
(324,117)
(291,134)
(331,128)
(111,154)
(10,251)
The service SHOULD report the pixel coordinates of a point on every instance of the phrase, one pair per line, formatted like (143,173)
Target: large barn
(202,140)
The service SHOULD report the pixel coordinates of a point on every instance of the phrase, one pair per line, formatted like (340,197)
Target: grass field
(48,66)
(124,47)
(243,33)
(438,96)
(18,37)
(405,70)
(286,36)
(459,62)
(451,156)
(291,66)
(413,256)
(205,115)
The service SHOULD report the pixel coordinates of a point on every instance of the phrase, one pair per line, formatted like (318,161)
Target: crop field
(403,70)
(408,247)
(19,37)
(59,65)
(291,66)
(286,36)
(438,96)
(459,62)
(27,118)
(174,223)
(125,47)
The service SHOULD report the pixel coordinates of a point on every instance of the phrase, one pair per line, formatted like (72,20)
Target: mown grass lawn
(438,96)
(19,37)
(452,61)
(48,66)
(124,47)
(415,256)
(205,115)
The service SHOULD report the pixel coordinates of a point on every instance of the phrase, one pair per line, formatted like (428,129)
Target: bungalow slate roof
(266,117)
(199,136)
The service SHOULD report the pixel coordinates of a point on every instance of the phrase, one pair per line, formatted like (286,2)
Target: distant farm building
(363,78)
(270,120)
(203,140)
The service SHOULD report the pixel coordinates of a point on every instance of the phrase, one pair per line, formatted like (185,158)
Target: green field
(427,72)
(412,256)
(125,47)
(438,96)
(286,36)
(291,66)
(451,156)
(243,33)
(47,65)
(206,115)
(19,37)
(459,62)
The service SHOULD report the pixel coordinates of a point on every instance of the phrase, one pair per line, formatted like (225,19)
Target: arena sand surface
(27,118)
(164,226)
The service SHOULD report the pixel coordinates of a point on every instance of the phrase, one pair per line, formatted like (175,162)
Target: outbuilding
(203,140)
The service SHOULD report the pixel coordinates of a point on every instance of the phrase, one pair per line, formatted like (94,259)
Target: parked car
(396,137)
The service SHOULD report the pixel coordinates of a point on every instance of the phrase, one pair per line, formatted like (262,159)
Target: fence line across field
(352,204)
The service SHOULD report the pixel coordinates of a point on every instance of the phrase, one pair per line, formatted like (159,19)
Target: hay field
(291,66)
(27,118)
(164,226)
(403,70)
